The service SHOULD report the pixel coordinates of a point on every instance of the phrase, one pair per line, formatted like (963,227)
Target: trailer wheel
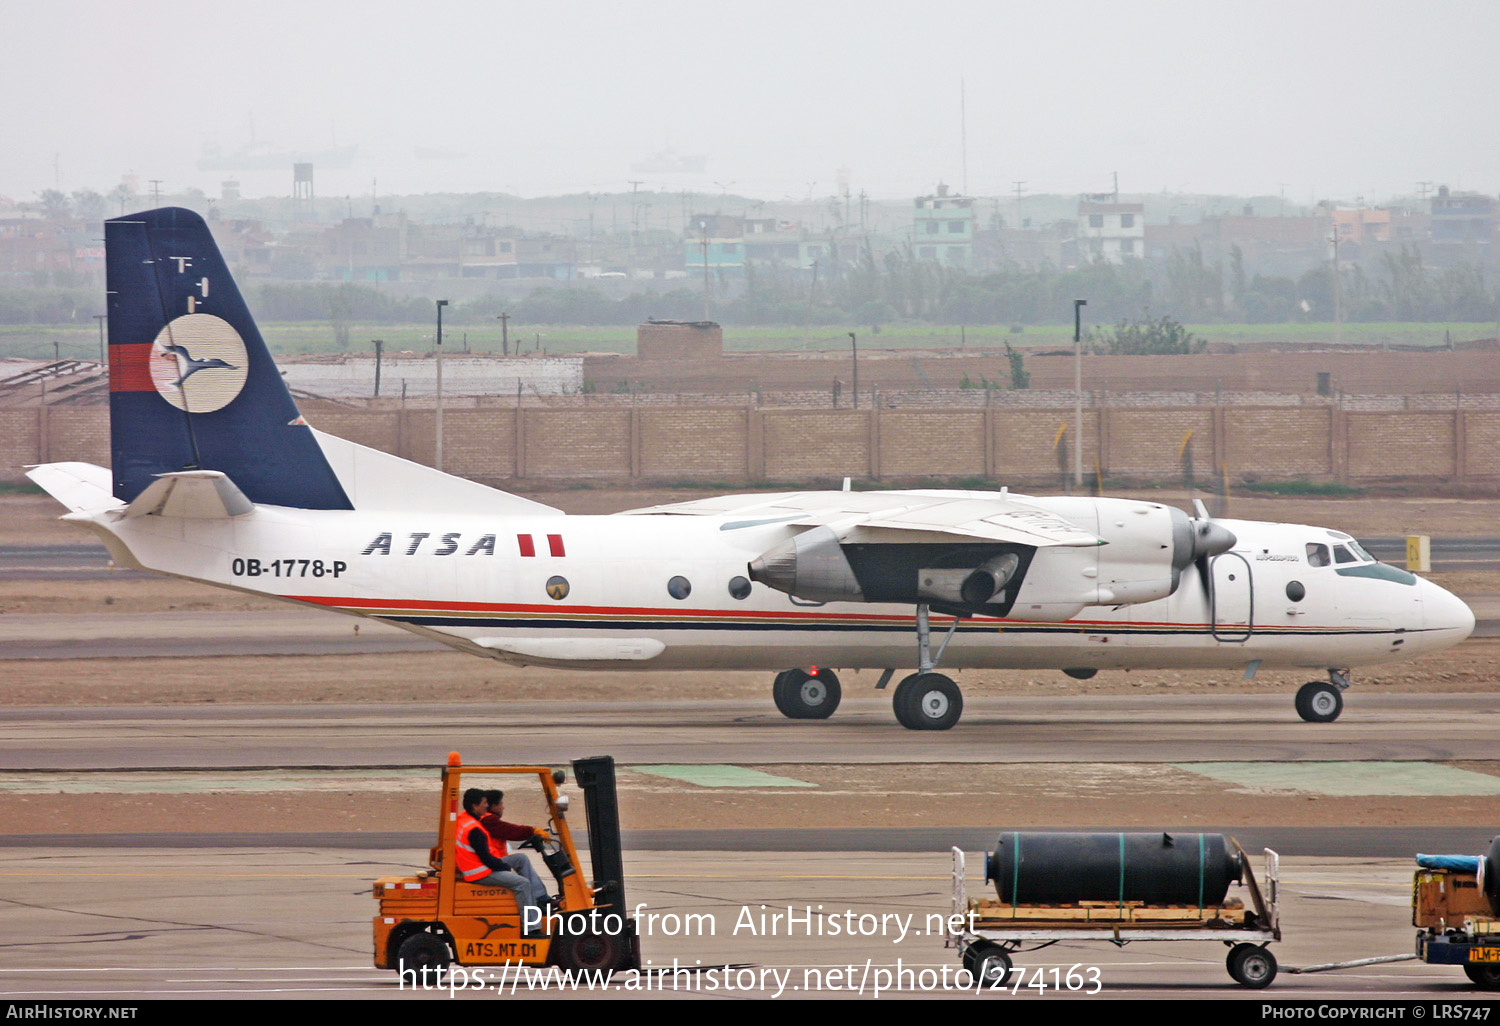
(1483,976)
(1251,965)
(424,951)
(988,963)
(589,952)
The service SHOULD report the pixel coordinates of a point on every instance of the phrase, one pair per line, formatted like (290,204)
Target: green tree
(1020,377)
(1148,336)
(89,205)
(55,205)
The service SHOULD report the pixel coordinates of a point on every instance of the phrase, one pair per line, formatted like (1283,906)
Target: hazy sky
(1319,98)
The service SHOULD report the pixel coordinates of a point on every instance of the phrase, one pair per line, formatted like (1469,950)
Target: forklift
(435,919)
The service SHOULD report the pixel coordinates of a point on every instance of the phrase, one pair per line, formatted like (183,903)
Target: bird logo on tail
(199,363)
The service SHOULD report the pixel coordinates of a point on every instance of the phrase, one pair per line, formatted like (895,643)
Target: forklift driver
(502,833)
(478,865)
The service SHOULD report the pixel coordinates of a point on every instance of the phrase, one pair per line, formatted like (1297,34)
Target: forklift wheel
(1485,976)
(591,952)
(424,951)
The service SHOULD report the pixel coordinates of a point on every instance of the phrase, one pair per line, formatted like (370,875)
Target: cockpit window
(1317,555)
(1341,554)
(1358,550)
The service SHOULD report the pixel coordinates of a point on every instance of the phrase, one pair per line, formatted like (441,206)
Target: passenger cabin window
(1317,555)
(1341,554)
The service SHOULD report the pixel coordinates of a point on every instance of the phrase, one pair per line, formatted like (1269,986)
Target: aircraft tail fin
(192,384)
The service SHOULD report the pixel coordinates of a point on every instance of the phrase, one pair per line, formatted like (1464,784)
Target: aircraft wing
(985,516)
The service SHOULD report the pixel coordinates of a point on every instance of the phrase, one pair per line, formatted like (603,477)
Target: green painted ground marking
(1415,779)
(721,776)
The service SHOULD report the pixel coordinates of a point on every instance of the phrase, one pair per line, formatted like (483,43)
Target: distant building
(246,246)
(715,239)
(1113,232)
(1277,246)
(943,228)
(1024,247)
(40,252)
(546,256)
(1463,227)
(366,248)
(485,254)
(1362,224)
(679,340)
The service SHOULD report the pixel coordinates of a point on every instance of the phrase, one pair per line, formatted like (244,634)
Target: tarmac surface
(1030,730)
(274,923)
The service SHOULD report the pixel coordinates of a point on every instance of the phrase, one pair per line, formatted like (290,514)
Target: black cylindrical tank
(1157,868)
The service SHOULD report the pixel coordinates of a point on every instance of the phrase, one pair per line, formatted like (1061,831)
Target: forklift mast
(596,776)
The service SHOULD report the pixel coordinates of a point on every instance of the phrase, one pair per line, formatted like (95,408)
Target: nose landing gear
(1321,701)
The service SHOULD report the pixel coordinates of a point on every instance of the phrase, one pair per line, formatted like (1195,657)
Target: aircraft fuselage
(672,592)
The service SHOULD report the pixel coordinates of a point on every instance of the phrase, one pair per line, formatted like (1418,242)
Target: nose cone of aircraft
(1446,617)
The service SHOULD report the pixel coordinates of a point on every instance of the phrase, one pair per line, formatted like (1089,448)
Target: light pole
(854,345)
(439,425)
(1078,305)
(1338,312)
(704,225)
(379,344)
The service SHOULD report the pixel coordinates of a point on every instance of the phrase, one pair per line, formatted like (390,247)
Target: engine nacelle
(811,566)
(1145,547)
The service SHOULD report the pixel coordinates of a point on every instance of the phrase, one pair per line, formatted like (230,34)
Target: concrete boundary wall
(742,445)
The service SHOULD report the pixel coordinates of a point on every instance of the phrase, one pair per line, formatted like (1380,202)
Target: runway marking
(1350,779)
(721,776)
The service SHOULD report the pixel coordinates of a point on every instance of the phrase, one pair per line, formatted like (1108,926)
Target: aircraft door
(1233,606)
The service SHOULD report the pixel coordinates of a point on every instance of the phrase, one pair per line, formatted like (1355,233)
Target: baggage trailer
(1455,926)
(993,931)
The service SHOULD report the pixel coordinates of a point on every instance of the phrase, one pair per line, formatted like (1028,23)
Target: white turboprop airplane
(217,478)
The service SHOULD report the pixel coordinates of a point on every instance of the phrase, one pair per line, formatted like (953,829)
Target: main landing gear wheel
(988,963)
(800,695)
(1319,702)
(1251,965)
(424,951)
(928,701)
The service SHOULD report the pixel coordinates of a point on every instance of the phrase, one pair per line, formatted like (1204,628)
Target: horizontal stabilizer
(191,495)
(82,487)
(576,649)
